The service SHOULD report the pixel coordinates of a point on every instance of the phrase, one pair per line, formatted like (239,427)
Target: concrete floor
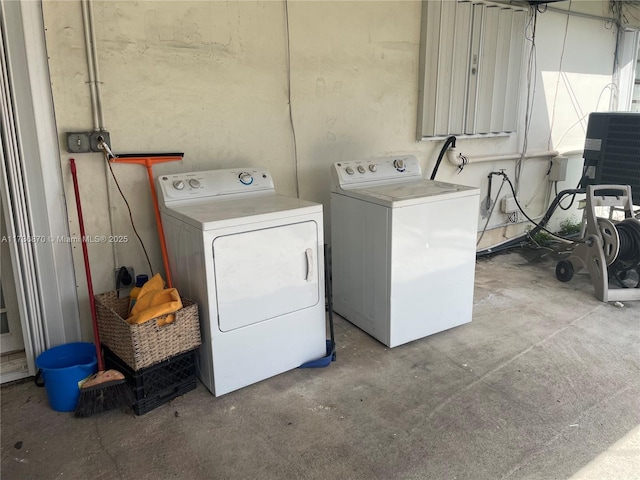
(544,383)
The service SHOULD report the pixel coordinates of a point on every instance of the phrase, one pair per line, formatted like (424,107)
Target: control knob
(350,170)
(361,169)
(373,167)
(178,184)
(194,183)
(245,178)
(399,165)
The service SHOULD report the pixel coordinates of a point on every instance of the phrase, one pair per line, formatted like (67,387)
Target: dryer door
(262,274)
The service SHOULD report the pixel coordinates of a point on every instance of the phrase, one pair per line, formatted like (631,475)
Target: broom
(107,389)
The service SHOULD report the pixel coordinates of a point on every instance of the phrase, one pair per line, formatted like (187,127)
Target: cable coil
(628,258)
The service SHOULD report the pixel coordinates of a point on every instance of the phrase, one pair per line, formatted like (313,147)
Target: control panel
(188,186)
(378,170)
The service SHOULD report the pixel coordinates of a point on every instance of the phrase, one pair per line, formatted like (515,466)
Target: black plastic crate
(159,383)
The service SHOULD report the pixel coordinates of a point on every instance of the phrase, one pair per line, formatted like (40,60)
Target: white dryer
(253,260)
(402,249)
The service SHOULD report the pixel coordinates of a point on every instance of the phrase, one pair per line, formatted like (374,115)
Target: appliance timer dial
(399,165)
(245,178)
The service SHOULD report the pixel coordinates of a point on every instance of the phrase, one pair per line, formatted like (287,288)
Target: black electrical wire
(450,141)
(541,226)
(531,90)
(573,198)
(130,214)
(526,237)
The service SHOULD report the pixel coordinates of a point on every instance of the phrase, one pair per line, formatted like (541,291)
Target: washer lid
(410,193)
(218,214)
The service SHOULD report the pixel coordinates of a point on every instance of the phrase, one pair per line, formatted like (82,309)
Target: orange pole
(148,161)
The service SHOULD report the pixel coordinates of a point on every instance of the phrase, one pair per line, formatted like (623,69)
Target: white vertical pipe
(96,102)
(96,70)
(92,78)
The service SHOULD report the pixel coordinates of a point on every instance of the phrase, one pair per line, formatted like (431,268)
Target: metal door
(266,273)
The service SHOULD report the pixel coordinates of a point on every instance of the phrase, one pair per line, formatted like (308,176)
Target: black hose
(629,252)
(450,141)
(526,237)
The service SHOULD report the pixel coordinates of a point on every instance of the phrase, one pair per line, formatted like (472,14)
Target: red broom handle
(87,269)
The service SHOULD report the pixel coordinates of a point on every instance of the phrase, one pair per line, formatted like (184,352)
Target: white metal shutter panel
(514,73)
(470,68)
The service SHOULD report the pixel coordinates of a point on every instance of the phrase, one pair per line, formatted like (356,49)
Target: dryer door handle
(309,255)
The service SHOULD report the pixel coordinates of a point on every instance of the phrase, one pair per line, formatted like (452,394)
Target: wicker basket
(145,344)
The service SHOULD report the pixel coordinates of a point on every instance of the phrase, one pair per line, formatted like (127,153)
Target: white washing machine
(253,260)
(402,248)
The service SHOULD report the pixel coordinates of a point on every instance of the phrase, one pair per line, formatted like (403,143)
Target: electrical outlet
(558,171)
(126,279)
(83,142)
(508,204)
(78,142)
(95,138)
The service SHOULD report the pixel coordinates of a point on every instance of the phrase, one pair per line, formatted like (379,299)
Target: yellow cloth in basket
(154,301)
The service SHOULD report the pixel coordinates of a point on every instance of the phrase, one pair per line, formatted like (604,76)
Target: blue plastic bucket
(62,367)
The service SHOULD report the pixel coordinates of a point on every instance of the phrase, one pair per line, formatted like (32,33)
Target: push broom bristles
(103,391)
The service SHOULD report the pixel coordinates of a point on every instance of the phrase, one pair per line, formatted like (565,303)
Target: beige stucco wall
(211,79)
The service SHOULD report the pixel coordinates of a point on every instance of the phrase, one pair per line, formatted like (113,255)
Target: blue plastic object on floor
(324,361)
(331,344)
(61,368)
